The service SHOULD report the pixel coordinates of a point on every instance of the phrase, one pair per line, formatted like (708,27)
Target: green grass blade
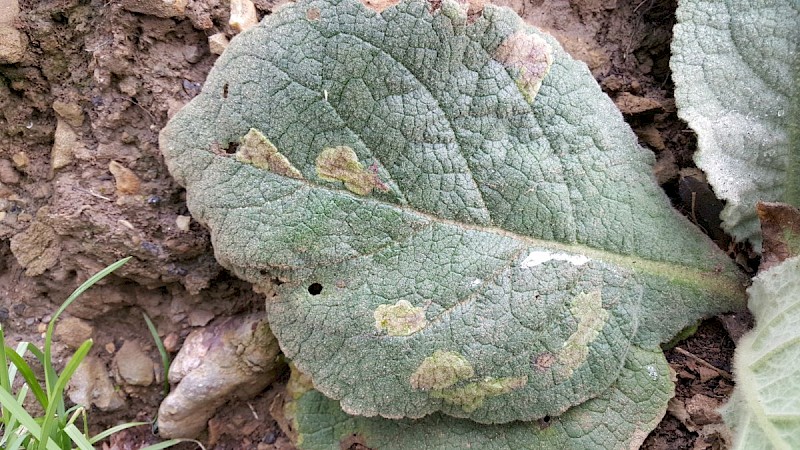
(24,418)
(11,423)
(17,442)
(5,384)
(77,437)
(5,381)
(22,347)
(102,435)
(27,374)
(165,362)
(50,374)
(56,395)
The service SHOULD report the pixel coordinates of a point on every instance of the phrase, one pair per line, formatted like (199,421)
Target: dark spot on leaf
(225,91)
(315,289)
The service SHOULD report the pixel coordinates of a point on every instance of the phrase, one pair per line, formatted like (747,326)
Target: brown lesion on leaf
(341,164)
(528,58)
(255,149)
(780,225)
(471,10)
(313,14)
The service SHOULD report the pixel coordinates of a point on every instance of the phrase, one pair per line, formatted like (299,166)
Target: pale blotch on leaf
(471,396)
(400,319)
(587,309)
(441,371)
(528,58)
(341,164)
(255,149)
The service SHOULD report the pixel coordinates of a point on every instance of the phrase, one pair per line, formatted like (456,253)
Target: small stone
(70,112)
(200,317)
(133,365)
(41,328)
(8,174)
(243,15)
(73,331)
(158,8)
(110,347)
(129,86)
(182,222)
(209,371)
(21,160)
(90,385)
(193,54)
(65,145)
(12,42)
(127,182)
(217,43)
(171,342)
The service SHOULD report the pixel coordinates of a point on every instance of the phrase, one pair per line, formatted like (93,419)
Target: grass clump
(58,427)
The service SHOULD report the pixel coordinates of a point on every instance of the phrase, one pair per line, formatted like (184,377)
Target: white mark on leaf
(651,370)
(538,257)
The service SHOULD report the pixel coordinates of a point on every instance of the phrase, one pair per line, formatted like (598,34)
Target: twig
(702,361)
(92,193)
(253,410)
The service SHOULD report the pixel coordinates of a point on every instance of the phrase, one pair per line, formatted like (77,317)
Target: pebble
(12,42)
(65,143)
(72,113)
(182,222)
(127,181)
(133,365)
(90,385)
(243,15)
(73,331)
(209,372)
(8,174)
(217,43)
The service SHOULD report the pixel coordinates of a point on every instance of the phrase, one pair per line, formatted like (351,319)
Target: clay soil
(117,76)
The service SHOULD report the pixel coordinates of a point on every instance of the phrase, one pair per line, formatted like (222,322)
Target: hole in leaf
(231,148)
(315,289)
(225,91)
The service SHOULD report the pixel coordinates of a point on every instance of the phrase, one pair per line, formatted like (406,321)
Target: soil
(115,76)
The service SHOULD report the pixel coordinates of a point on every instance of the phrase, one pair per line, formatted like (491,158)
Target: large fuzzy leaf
(621,417)
(457,217)
(764,411)
(736,66)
